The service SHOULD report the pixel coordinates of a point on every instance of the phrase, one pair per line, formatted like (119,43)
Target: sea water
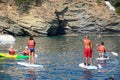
(60,56)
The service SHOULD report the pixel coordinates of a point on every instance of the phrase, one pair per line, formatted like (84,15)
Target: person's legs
(86,56)
(90,56)
(29,57)
(33,57)
(102,55)
(86,61)
(91,63)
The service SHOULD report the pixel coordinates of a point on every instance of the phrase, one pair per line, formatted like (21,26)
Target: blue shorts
(32,49)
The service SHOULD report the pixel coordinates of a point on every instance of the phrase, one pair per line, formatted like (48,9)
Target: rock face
(59,17)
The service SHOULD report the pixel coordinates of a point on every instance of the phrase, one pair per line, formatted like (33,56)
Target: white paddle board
(82,65)
(29,65)
(102,58)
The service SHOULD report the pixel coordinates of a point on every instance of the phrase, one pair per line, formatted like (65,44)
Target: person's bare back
(87,49)
(87,42)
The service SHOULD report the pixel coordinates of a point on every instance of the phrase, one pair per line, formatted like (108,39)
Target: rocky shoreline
(55,18)
(114,34)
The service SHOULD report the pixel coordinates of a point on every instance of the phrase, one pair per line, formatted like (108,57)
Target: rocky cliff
(59,17)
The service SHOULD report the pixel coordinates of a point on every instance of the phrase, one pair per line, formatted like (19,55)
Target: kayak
(6,55)
(2,58)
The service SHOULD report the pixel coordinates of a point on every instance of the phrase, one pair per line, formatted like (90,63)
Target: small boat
(6,55)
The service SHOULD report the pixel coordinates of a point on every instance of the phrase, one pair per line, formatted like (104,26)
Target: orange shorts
(87,53)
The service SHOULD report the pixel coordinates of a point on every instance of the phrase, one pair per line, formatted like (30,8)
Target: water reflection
(88,75)
(30,74)
(60,55)
(59,44)
(101,62)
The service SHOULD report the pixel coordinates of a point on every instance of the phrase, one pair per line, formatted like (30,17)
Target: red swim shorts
(87,53)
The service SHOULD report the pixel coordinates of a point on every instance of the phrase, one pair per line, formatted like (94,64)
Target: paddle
(99,66)
(113,53)
(36,55)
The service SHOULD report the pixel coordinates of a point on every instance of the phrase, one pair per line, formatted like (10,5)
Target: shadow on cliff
(58,25)
(57,28)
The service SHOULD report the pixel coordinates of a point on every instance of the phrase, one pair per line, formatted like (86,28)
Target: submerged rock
(7,39)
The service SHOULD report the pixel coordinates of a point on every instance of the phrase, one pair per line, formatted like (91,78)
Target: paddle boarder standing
(87,50)
(101,49)
(31,46)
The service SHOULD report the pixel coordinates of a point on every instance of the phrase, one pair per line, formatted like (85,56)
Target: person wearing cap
(26,51)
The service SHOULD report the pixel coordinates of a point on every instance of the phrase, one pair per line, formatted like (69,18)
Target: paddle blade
(99,66)
(36,55)
(114,53)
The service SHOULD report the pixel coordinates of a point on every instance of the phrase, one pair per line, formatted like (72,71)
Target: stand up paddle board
(102,58)
(29,65)
(82,65)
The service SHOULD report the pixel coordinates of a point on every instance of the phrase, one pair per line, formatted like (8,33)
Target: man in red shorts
(87,49)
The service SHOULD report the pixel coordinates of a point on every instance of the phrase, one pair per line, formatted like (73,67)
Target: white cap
(26,47)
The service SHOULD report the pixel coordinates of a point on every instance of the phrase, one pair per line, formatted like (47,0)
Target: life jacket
(31,44)
(11,52)
(101,48)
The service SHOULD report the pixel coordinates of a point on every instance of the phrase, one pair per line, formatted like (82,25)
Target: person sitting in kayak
(26,51)
(11,51)
(101,49)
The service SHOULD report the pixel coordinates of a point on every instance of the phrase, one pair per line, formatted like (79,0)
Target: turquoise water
(60,57)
